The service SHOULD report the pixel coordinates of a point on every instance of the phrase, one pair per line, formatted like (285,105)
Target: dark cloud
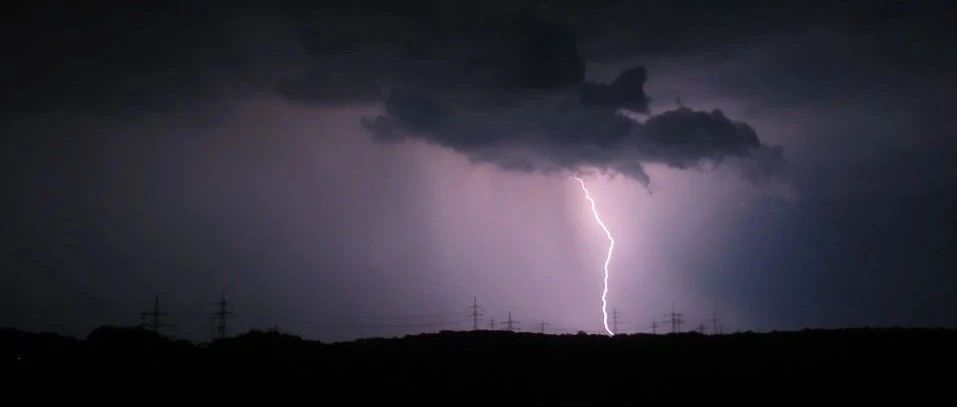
(625,29)
(488,56)
(334,82)
(159,55)
(113,57)
(682,138)
(627,91)
(507,89)
(563,134)
(538,54)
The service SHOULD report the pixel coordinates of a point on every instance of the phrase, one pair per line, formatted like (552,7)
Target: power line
(407,325)
(575,331)
(387,316)
(393,316)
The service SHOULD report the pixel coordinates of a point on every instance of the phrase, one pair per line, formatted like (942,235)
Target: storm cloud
(314,158)
(512,92)
(501,83)
(565,135)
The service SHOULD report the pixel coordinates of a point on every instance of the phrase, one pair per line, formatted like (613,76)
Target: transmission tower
(715,322)
(614,320)
(510,323)
(541,327)
(220,316)
(476,313)
(676,319)
(153,320)
(491,323)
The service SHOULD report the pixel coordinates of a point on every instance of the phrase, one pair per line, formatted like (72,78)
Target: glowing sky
(203,157)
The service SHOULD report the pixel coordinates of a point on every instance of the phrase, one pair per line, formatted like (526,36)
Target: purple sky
(319,225)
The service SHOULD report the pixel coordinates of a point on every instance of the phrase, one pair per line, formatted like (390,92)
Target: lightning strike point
(611,249)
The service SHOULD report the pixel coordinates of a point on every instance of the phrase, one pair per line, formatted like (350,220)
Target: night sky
(369,168)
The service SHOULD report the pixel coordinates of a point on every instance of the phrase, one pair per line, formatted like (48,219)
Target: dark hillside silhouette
(858,363)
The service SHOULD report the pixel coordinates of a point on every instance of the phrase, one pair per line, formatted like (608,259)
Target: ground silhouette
(847,364)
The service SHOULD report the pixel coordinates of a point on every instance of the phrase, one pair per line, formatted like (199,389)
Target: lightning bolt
(611,249)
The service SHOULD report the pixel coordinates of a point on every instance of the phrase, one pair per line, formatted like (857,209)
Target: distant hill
(853,363)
